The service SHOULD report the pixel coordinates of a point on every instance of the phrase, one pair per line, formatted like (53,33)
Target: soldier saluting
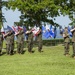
(30,39)
(9,44)
(20,41)
(39,38)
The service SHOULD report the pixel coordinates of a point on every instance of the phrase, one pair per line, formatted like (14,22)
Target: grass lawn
(50,62)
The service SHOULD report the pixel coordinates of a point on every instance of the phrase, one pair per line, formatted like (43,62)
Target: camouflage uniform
(39,40)
(30,41)
(20,41)
(73,42)
(9,39)
(1,42)
(12,42)
(66,41)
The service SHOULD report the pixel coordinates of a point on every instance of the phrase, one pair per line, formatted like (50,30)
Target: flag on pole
(20,28)
(69,31)
(51,31)
(61,30)
(55,32)
(10,28)
(45,32)
(15,29)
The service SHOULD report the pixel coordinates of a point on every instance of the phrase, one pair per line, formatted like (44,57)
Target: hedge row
(53,42)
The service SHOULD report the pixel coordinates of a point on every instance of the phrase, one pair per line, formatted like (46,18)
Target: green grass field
(50,62)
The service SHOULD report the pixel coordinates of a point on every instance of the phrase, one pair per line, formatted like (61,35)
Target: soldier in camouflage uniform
(1,42)
(73,41)
(20,41)
(30,40)
(39,39)
(66,41)
(9,44)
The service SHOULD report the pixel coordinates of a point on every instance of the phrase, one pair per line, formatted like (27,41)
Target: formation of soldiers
(9,38)
(66,37)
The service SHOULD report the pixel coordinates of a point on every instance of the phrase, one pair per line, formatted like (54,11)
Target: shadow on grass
(33,51)
(21,53)
(3,53)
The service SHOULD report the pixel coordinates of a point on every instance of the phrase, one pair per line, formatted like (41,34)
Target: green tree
(2,19)
(68,8)
(39,11)
(35,11)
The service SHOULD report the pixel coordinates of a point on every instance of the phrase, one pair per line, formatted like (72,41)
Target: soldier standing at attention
(39,39)
(73,41)
(20,41)
(8,39)
(66,41)
(30,39)
(1,42)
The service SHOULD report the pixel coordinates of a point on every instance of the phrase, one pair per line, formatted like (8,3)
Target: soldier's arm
(38,32)
(5,35)
(17,33)
(72,29)
(27,32)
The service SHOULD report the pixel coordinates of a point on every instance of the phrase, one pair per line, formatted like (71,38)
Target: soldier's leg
(21,47)
(7,48)
(1,45)
(66,47)
(30,46)
(0,49)
(73,49)
(12,48)
(39,46)
(18,47)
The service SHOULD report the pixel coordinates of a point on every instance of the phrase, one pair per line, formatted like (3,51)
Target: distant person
(73,41)
(1,42)
(66,41)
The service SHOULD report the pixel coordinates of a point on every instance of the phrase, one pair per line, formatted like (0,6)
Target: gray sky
(12,17)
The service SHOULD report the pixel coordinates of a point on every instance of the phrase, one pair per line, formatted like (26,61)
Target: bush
(53,42)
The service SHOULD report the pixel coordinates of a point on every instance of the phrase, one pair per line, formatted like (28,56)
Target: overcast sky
(12,17)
